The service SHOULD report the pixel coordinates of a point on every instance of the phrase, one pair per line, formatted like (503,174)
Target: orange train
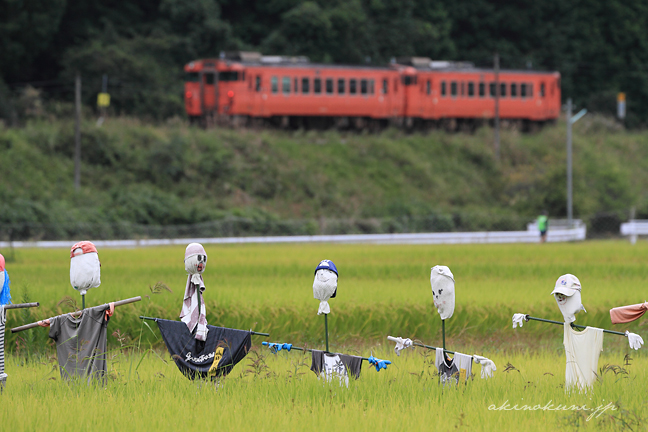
(241,88)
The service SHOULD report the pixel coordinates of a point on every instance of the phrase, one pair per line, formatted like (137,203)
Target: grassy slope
(178,175)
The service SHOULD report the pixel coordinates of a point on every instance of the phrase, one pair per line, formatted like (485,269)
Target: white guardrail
(529,236)
(634,228)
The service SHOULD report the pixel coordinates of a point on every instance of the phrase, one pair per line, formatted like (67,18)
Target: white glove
(634,340)
(488,366)
(401,344)
(518,319)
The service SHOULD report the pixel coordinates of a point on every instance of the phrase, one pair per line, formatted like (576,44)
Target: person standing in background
(543,225)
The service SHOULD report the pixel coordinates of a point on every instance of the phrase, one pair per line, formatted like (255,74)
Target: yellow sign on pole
(103,100)
(621,105)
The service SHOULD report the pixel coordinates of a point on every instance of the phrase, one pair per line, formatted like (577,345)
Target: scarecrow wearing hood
(193,306)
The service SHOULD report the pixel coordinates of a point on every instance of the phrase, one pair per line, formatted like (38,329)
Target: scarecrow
(582,348)
(458,368)
(81,336)
(201,350)
(5,304)
(326,364)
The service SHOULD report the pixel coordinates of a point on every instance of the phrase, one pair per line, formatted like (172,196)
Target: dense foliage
(139,180)
(598,46)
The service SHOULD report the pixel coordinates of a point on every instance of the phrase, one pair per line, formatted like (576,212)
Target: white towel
(191,313)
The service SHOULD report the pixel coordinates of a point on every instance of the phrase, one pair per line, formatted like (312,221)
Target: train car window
(385,88)
(371,86)
(228,76)
(471,89)
(317,85)
(542,89)
(193,77)
(285,85)
(523,90)
(409,80)
(341,86)
(274,84)
(428,87)
(530,89)
(502,89)
(305,85)
(329,85)
(491,89)
(482,89)
(513,90)
(209,78)
(453,88)
(353,86)
(364,87)
(443,88)
(296,85)
(258,83)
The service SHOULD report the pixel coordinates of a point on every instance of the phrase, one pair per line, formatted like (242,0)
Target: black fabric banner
(215,357)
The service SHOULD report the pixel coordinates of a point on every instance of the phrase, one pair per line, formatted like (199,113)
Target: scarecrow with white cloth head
(582,349)
(193,311)
(326,364)
(458,368)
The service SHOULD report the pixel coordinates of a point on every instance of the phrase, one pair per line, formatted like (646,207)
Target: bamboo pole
(326,331)
(21,305)
(528,317)
(76,314)
(308,349)
(393,339)
(252,332)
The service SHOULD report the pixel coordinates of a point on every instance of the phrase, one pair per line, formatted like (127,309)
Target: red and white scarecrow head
(85,268)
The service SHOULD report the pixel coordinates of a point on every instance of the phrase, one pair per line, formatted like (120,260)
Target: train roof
(423,64)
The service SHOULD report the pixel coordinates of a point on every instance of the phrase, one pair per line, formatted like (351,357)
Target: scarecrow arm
(21,305)
(75,314)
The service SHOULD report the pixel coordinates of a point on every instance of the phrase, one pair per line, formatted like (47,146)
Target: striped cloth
(3,375)
(192,314)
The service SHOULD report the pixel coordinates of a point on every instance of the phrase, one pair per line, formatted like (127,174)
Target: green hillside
(279,182)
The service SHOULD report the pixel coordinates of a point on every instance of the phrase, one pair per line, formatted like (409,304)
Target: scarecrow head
(195,259)
(567,293)
(85,268)
(325,285)
(5,295)
(443,290)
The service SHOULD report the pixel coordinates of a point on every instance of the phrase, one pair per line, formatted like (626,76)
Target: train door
(412,96)
(209,92)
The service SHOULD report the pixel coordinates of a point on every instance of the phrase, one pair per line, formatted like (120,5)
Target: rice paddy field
(383,290)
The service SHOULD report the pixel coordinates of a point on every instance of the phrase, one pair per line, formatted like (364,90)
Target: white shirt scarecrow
(325,285)
(193,314)
(85,268)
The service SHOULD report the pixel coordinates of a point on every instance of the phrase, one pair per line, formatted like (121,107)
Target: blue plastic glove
(276,347)
(380,364)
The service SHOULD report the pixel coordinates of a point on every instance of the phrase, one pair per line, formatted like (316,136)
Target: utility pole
(570,121)
(497,119)
(77,133)
(569,163)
